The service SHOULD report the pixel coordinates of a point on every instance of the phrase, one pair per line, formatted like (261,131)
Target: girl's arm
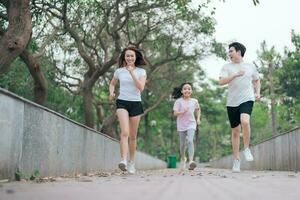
(198,115)
(177,113)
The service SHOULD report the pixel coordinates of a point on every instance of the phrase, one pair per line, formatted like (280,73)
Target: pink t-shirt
(187,120)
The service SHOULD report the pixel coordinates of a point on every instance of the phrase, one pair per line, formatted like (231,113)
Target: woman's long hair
(139,61)
(177,90)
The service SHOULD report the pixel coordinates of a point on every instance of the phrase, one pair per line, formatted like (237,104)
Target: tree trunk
(108,126)
(17,34)
(273,99)
(40,82)
(88,106)
(172,139)
(146,134)
(146,123)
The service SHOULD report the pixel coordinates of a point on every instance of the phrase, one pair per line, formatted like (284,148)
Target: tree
(15,37)
(290,71)
(270,61)
(94,30)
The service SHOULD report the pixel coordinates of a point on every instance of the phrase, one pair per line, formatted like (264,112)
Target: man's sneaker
(131,168)
(123,165)
(236,165)
(192,165)
(248,155)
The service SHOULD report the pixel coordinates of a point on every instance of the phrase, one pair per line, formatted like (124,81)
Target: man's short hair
(238,47)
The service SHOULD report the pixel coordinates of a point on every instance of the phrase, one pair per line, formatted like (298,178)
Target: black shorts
(234,113)
(134,108)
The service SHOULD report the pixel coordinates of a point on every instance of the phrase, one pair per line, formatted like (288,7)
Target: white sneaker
(248,155)
(192,165)
(123,165)
(236,165)
(131,168)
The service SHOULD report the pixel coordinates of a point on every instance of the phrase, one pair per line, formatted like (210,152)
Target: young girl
(184,109)
(129,106)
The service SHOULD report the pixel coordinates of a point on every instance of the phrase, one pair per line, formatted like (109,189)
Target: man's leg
(235,141)
(245,122)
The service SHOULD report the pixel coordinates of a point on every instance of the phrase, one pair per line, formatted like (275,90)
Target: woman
(132,80)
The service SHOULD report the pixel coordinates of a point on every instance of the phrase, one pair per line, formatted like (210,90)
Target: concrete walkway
(168,184)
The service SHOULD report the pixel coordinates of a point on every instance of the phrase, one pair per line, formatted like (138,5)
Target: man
(243,89)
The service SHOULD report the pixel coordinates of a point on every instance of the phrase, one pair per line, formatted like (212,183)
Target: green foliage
(19,175)
(219,49)
(289,74)
(18,80)
(174,37)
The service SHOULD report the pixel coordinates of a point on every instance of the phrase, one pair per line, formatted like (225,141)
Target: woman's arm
(139,83)
(112,85)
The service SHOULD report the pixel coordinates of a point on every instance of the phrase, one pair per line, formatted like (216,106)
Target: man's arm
(256,84)
(226,80)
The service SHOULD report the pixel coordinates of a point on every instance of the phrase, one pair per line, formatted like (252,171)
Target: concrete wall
(278,153)
(33,137)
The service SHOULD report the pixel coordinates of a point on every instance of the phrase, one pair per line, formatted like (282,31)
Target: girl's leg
(182,142)
(190,143)
(123,117)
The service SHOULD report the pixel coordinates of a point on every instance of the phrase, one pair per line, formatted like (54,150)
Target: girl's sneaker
(123,165)
(192,165)
(182,164)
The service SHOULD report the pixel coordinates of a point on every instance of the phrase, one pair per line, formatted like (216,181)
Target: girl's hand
(198,122)
(185,110)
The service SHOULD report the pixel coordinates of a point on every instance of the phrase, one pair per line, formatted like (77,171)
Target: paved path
(168,184)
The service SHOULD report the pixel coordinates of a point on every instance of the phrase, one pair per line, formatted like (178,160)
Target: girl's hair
(177,90)
(139,61)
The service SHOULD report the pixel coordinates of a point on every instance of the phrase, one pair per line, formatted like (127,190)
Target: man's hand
(257,97)
(239,73)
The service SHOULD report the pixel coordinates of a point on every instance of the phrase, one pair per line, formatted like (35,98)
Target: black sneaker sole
(122,167)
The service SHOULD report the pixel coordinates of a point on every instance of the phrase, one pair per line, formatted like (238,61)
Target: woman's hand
(111,97)
(130,68)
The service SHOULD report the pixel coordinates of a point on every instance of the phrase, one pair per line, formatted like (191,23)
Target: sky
(240,20)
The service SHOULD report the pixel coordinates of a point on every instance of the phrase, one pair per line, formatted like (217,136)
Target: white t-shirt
(187,120)
(128,90)
(240,89)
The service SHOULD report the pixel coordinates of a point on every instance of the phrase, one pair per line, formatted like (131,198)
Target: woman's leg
(124,125)
(133,127)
